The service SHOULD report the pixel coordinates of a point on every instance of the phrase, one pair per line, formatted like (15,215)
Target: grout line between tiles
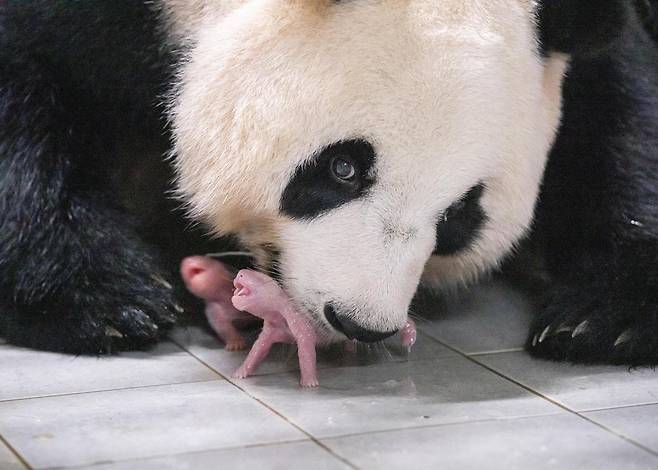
(178,454)
(551,400)
(84,392)
(495,351)
(15,453)
(615,433)
(285,418)
(436,426)
(621,407)
(463,352)
(87,392)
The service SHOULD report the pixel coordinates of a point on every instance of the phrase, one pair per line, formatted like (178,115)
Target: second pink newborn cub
(260,295)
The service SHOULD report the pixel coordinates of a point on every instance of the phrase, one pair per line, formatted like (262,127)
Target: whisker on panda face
(381,351)
(273,269)
(416,317)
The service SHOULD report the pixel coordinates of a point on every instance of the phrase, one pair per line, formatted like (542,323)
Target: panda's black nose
(351,329)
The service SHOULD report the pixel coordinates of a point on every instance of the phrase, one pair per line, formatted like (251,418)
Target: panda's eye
(335,175)
(343,169)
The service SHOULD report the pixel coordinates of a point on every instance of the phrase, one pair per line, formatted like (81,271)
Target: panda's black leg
(598,213)
(74,275)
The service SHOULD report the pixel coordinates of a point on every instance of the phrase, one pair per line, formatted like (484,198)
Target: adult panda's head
(346,141)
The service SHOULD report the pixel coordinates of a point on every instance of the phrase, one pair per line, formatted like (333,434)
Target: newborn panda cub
(228,298)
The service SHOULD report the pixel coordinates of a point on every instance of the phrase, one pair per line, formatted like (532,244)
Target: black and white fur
(447,111)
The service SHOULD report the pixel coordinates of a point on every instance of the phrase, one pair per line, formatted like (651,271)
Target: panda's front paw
(123,300)
(131,310)
(139,315)
(588,325)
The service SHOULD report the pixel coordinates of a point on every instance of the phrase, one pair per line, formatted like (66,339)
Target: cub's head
(345,142)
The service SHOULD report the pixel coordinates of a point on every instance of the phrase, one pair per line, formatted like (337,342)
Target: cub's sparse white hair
(449,93)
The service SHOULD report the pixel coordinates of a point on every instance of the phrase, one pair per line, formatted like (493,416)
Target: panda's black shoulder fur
(598,210)
(103,55)
(580,27)
(80,83)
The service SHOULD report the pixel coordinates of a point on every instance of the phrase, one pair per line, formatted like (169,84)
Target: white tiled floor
(466,397)
(559,442)
(8,460)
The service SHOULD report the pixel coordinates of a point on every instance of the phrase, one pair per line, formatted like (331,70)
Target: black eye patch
(315,188)
(461,223)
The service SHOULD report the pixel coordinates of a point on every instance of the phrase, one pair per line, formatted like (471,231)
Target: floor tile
(283,358)
(579,387)
(301,455)
(561,442)
(207,347)
(26,373)
(395,395)
(485,318)
(8,460)
(639,423)
(144,422)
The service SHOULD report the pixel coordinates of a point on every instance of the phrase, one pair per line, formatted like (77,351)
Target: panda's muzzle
(351,329)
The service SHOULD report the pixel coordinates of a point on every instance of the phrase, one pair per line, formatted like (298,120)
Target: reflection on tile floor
(466,397)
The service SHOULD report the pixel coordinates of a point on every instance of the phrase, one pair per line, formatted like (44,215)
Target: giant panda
(357,149)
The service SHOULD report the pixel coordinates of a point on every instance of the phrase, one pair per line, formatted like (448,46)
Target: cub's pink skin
(408,334)
(209,280)
(260,295)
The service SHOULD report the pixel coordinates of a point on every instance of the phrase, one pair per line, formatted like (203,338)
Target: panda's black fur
(598,210)
(84,226)
(81,144)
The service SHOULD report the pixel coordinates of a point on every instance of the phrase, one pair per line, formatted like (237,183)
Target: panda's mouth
(351,329)
(330,315)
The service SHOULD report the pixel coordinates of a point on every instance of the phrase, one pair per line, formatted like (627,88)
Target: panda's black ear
(580,27)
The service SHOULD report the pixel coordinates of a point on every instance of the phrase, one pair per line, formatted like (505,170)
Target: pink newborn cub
(261,296)
(282,323)
(209,280)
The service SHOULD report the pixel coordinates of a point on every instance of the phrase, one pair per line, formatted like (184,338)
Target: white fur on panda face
(449,94)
